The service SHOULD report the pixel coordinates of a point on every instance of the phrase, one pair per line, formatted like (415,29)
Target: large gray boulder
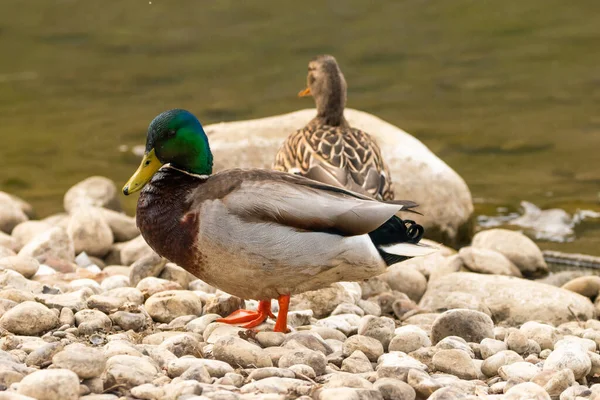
(512,301)
(417,173)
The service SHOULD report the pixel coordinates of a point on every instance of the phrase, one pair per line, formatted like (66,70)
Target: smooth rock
(216,368)
(455,362)
(197,373)
(129,371)
(520,369)
(405,280)
(409,338)
(91,321)
(86,362)
(287,386)
(571,356)
(129,294)
(348,308)
(380,328)
(554,382)
(492,364)
(588,286)
(416,172)
(133,250)
(343,379)
(11,214)
(397,365)
(54,243)
(105,304)
(175,273)
(95,191)
(512,301)
(238,352)
(42,356)
(150,286)
(26,266)
(515,246)
(148,266)
(348,394)
(268,372)
(544,334)
(270,339)
(168,305)
(26,231)
(122,226)
(489,347)
(394,389)
(455,343)
(357,363)
(526,390)
(314,359)
(517,341)
(467,301)
(345,323)
(486,261)
(51,384)
(9,244)
(29,318)
(90,232)
(371,347)
(473,326)
(323,301)
(308,339)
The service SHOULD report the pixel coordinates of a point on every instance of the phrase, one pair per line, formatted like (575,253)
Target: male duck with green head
(259,234)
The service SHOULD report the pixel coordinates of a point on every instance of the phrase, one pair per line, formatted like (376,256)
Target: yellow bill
(150,164)
(304,93)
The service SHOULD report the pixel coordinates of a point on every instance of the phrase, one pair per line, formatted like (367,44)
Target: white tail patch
(409,249)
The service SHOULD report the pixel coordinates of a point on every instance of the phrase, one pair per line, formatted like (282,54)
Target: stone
(357,363)
(134,249)
(199,325)
(106,304)
(175,273)
(114,282)
(216,368)
(394,389)
(285,386)
(86,362)
(455,343)
(489,347)
(129,294)
(473,326)
(416,172)
(512,301)
(345,323)
(554,382)
(51,384)
(588,286)
(409,338)
(342,379)
(9,244)
(519,370)
(11,214)
(223,305)
(127,371)
(526,390)
(150,286)
(310,340)
(544,334)
(268,372)
(90,232)
(371,347)
(397,365)
(168,305)
(54,243)
(423,384)
(370,307)
(571,356)
(16,295)
(316,360)
(42,356)
(13,279)
(197,373)
(348,308)
(486,261)
(66,317)
(95,191)
(27,230)
(92,321)
(492,364)
(380,328)
(323,301)
(515,246)
(517,341)
(147,266)
(465,300)
(455,362)
(26,266)
(270,339)
(122,226)
(405,280)
(29,318)
(238,352)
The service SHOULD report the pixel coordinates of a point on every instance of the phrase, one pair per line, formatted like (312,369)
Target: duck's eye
(147,162)
(311,79)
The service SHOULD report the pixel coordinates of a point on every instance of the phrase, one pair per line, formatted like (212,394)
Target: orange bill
(304,93)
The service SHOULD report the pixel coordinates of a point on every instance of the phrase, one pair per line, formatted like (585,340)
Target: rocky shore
(88,311)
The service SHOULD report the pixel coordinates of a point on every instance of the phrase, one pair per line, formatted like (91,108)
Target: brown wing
(339,156)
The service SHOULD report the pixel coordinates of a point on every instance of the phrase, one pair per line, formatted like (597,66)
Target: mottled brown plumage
(328,149)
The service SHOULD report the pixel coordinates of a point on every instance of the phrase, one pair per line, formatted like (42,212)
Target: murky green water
(507,93)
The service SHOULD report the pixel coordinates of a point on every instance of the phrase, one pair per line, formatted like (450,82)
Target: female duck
(328,149)
(259,234)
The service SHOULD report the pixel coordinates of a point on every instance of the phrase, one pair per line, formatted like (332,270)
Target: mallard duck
(328,149)
(259,234)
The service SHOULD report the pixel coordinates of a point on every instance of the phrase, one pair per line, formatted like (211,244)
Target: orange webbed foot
(250,318)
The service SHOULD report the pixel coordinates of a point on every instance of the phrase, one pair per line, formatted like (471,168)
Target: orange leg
(253,318)
(284,305)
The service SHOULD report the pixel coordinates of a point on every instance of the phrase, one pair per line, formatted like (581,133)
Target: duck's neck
(331,103)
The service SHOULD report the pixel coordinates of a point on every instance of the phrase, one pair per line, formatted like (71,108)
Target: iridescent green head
(175,137)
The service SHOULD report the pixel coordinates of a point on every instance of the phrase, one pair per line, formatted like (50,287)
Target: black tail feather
(395,231)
